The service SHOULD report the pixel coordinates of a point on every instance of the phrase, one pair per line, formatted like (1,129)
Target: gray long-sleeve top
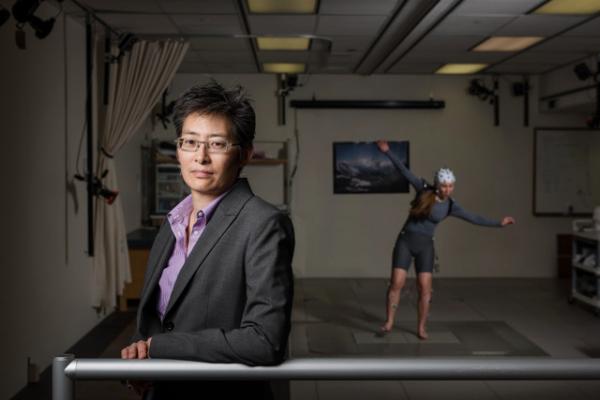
(439,210)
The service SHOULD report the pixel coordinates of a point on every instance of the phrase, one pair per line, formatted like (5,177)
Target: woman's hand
(507,221)
(383,146)
(137,350)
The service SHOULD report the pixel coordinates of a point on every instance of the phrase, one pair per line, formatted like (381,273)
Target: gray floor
(470,317)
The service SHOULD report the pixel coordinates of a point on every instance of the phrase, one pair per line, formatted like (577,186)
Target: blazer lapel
(224,215)
(165,242)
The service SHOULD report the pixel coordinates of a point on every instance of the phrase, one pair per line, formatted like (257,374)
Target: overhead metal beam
(408,104)
(406,17)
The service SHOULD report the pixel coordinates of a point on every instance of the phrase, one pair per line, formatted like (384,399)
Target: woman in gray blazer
(218,285)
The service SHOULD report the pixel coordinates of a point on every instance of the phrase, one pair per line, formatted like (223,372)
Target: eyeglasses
(213,144)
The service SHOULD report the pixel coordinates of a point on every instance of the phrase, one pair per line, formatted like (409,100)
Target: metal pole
(89,48)
(596,116)
(466,368)
(526,101)
(496,102)
(281,93)
(63,387)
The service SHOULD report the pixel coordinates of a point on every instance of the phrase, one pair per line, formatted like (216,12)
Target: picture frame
(361,168)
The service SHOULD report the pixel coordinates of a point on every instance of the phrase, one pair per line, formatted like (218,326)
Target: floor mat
(448,338)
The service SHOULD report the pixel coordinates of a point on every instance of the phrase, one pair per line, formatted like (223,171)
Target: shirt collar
(180,214)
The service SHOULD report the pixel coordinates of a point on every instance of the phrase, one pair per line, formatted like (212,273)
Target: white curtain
(135,86)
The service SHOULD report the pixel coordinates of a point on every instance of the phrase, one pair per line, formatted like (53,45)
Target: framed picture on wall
(362,168)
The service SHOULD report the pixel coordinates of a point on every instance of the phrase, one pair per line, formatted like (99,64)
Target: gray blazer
(232,300)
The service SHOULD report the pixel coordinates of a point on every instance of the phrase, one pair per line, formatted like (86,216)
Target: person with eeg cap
(432,204)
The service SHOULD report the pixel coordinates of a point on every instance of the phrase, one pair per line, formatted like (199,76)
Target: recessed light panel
(461,68)
(282,6)
(284,68)
(569,7)
(278,43)
(507,43)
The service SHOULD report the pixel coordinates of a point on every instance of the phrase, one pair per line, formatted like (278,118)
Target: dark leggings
(411,245)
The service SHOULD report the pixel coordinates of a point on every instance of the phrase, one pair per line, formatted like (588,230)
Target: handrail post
(63,387)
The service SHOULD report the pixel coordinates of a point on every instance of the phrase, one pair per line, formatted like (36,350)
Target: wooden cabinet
(139,242)
(138,258)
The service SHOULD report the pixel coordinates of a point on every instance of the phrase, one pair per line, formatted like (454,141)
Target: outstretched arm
(417,183)
(459,212)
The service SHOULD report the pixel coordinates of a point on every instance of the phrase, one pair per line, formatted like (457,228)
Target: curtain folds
(135,86)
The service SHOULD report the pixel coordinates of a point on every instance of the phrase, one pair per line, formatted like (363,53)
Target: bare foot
(387,327)
(422,334)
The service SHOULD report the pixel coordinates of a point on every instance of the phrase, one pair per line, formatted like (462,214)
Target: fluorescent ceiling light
(282,43)
(507,43)
(461,68)
(282,6)
(580,7)
(284,68)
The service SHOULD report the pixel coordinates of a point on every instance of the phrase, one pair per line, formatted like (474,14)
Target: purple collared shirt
(179,218)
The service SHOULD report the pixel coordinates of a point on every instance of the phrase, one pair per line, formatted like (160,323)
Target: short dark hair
(213,99)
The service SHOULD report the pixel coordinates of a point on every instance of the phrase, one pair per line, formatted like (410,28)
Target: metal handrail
(67,369)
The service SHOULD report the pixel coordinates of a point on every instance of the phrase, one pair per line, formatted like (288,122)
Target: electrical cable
(79,150)
(296,160)
(297,140)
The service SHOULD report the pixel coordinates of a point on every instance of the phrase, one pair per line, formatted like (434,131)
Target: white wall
(45,270)
(353,235)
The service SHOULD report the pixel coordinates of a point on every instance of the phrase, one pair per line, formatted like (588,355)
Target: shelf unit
(163,186)
(169,187)
(585,283)
(274,155)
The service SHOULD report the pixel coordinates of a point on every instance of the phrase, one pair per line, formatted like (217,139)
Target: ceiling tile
(140,23)
(144,6)
(341,61)
(331,70)
(414,68)
(342,58)
(352,25)
(282,25)
(453,57)
(216,43)
(349,44)
(570,43)
(226,68)
(356,7)
(520,68)
(590,28)
(456,43)
(546,58)
(349,25)
(537,25)
(219,57)
(198,6)
(213,24)
(466,25)
(489,7)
